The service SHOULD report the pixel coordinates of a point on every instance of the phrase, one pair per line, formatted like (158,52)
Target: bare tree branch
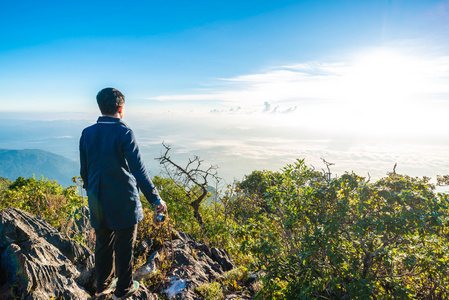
(190,177)
(328,173)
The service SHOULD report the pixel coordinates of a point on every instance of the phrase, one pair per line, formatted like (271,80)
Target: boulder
(222,257)
(38,270)
(148,269)
(194,265)
(38,263)
(143,247)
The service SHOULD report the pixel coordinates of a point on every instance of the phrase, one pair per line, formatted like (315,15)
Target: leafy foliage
(350,239)
(4,183)
(231,282)
(313,236)
(44,198)
(211,291)
(177,199)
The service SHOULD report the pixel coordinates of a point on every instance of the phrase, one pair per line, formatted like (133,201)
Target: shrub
(4,183)
(210,291)
(44,198)
(347,238)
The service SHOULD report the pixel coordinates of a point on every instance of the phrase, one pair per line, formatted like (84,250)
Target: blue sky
(247,84)
(148,48)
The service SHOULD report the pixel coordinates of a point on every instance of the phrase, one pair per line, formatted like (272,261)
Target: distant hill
(25,163)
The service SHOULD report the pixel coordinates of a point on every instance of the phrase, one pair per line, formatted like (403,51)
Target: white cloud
(267,106)
(289,83)
(367,114)
(227,111)
(378,92)
(376,76)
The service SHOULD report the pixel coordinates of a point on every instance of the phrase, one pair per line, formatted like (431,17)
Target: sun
(384,76)
(379,85)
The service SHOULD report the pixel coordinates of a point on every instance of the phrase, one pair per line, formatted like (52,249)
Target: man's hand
(161,208)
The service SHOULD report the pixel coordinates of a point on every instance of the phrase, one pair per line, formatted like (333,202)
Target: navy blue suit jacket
(113,171)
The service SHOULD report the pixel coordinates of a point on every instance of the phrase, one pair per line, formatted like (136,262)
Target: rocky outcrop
(194,265)
(37,262)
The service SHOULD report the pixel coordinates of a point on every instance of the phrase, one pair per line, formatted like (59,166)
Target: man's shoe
(131,292)
(108,290)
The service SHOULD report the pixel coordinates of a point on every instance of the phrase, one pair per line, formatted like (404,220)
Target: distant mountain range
(25,163)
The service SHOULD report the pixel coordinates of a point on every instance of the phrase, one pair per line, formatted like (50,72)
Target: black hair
(109,100)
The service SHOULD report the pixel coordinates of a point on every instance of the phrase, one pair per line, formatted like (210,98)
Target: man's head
(110,101)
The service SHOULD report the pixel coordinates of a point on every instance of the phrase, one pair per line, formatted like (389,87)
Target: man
(113,171)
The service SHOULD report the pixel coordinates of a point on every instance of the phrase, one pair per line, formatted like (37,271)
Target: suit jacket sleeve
(83,164)
(137,168)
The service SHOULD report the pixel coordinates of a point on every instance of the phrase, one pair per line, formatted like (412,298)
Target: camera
(160,218)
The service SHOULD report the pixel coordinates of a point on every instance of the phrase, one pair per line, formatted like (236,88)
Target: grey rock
(148,269)
(223,258)
(195,264)
(143,247)
(143,294)
(38,262)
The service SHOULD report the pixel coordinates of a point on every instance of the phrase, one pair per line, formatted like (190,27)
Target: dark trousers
(115,246)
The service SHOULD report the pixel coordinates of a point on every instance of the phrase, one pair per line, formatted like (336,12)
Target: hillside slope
(25,163)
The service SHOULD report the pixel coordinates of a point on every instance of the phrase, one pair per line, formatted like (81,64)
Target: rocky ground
(37,262)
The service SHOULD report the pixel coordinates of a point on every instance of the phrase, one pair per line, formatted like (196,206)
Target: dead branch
(191,176)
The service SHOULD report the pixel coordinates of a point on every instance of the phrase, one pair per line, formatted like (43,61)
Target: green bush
(210,291)
(179,210)
(311,235)
(4,183)
(44,198)
(348,238)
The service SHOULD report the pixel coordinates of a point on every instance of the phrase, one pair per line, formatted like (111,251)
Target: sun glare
(382,85)
(384,76)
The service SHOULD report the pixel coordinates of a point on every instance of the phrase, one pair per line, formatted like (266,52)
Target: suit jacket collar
(108,120)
